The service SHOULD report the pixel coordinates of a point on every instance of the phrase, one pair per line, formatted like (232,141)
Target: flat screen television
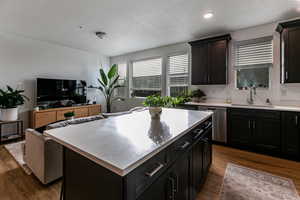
(53,91)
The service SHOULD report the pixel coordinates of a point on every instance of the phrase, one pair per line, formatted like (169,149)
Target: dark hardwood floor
(16,185)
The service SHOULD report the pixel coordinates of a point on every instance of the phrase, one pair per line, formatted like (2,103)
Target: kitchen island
(135,157)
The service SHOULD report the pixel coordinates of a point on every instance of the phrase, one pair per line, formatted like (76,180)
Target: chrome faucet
(250,100)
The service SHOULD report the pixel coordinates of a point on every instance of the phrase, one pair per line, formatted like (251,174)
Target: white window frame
(236,68)
(168,67)
(131,88)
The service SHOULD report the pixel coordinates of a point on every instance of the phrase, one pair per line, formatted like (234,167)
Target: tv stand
(47,116)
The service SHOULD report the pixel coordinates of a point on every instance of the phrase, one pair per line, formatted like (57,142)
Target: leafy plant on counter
(168,102)
(197,93)
(11,98)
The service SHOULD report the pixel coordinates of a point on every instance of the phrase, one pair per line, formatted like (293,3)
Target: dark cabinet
(200,161)
(207,152)
(210,61)
(291,134)
(240,131)
(290,51)
(200,64)
(255,129)
(267,135)
(196,166)
(173,185)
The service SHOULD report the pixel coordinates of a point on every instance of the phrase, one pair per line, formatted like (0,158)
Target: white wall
(22,60)
(288,94)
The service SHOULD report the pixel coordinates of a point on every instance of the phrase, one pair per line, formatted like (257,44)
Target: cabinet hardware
(249,124)
(175,178)
(152,173)
(185,145)
(199,133)
(296,120)
(208,125)
(172,195)
(286,75)
(205,140)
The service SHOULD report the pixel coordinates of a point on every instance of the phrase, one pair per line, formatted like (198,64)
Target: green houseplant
(10,99)
(156,102)
(69,115)
(108,83)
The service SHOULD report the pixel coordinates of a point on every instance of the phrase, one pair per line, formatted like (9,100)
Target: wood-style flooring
(16,185)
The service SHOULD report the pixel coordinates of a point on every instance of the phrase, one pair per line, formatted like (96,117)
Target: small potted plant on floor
(69,115)
(10,99)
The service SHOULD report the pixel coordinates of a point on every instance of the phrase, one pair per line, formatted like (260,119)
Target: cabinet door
(217,62)
(162,189)
(173,185)
(267,135)
(196,170)
(207,152)
(291,134)
(291,38)
(200,64)
(239,131)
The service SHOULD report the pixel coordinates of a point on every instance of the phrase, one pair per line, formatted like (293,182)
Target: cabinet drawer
(60,114)
(268,114)
(44,118)
(81,112)
(142,177)
(94,110)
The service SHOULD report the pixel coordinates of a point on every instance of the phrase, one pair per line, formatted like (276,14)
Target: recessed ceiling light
(208,15)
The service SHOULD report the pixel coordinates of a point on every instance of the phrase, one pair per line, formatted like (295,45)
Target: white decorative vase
(10,114)
(155,112)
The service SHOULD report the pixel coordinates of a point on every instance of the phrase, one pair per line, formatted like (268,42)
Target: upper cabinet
(290,51)
(210,60)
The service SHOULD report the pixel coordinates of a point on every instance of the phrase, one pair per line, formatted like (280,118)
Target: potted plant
(69,115)
(10,99)
(108,83)
(198,95)
(155,104)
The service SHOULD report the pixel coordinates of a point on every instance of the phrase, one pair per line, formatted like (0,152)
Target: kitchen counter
(123,143)
(226,105)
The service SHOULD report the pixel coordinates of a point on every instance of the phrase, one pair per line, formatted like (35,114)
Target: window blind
(254,53)
(178,76)
(146,74)
(122,71)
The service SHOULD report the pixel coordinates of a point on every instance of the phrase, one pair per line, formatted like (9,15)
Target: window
(122,71)
(146,77)
(253,61)
(178,76)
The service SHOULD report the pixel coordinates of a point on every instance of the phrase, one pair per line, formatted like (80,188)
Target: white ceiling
(134,25)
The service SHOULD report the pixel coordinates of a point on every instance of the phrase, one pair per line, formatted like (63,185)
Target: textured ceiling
(133,25)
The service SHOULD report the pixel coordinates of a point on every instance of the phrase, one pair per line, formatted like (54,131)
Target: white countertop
(122,143)
(226,105)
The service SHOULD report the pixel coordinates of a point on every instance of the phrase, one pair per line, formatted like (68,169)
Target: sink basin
(253,105)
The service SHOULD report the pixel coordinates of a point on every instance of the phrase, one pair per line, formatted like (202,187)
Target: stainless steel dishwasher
(219,122)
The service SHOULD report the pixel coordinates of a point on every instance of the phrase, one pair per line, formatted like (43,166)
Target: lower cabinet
(173,185)
(200,162)
(270,132)
(255,130)
(185,176)
(291,134)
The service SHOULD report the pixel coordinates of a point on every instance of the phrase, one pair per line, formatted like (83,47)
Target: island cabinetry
(171,174)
